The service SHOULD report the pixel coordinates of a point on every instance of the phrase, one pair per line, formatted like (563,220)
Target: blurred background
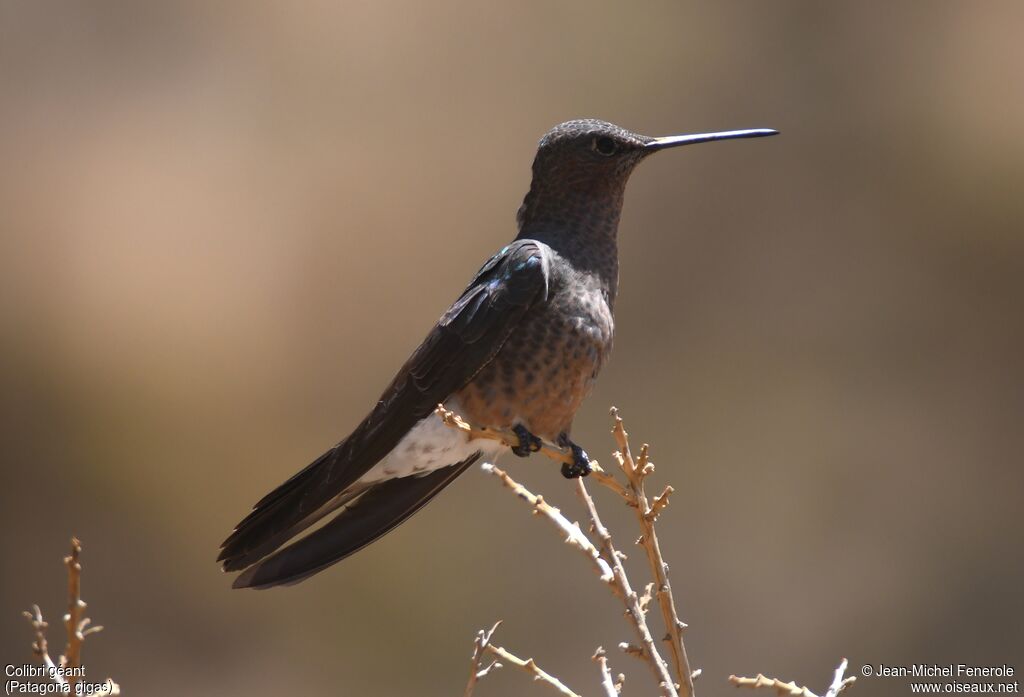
(224,226)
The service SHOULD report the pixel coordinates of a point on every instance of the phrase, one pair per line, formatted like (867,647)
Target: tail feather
(318,488)
(279,516)
(365,516)
(271,540)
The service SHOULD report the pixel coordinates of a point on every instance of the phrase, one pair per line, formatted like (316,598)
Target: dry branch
(608,567)
(607,563)
(574,537)
(647,651)
(74,621)
(612,688)
(40,648)
(531,667)
(68,670)
(636,472)
(476,667)
(483,646)
(791,689)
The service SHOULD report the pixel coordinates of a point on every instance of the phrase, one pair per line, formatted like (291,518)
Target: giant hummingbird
(519,349)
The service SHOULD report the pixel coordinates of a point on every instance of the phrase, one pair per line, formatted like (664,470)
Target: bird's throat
(580,225)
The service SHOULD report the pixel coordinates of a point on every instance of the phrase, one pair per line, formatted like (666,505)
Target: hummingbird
(519,349)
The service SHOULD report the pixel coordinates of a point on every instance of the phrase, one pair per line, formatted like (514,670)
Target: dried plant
(627,482)
(791,689)
(606,561)
(68,672)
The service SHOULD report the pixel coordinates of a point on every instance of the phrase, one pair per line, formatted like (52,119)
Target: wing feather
(366,518)
(465,339)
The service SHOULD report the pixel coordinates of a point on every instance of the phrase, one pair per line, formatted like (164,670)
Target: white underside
(430,445)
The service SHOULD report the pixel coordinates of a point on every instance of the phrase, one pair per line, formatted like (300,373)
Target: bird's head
(587,154)
(588,161)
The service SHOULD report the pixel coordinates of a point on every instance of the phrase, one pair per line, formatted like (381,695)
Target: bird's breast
(547,366)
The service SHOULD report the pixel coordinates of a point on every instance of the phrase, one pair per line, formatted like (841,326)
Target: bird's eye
(603,145)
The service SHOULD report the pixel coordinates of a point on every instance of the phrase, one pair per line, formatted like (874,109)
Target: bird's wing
(369,515)
(466,337)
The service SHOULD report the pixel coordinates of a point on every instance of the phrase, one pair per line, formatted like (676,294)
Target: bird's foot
(528,443)
(580,466)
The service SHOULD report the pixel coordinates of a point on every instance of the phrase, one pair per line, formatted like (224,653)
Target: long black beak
(673,141)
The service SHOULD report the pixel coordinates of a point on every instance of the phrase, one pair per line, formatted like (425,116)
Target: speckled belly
(544,370)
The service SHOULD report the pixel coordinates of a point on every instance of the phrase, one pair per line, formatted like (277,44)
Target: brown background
(223,227)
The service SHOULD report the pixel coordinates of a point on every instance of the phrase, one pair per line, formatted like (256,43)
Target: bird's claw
(528,443)
(580,466)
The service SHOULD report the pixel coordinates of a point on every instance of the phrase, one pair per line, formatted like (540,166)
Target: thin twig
(647,650)
(612,688)
(636,472)
(476,671)
(40,647)
(531,667)
(839,683)
(791,689)
(783,689)
(609,481)
(482,646)
(77,627)
(74,621)
(574,537)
